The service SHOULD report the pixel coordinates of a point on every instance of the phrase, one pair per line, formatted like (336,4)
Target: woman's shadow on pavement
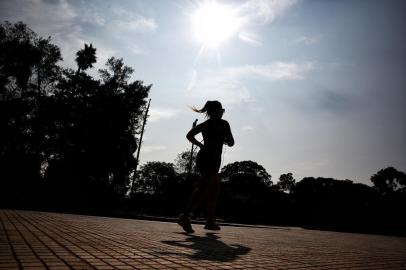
(208,247)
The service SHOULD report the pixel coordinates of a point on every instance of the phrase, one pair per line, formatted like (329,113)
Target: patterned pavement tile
(39,240)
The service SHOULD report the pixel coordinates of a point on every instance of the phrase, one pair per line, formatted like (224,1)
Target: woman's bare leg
(194,201)
(212,196)
(198,194)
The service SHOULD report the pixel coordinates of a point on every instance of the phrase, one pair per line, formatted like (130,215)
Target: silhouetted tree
(18,56)
(245,180)
(246,192)
(64,131)
(389,180)
(286,182)
(391,186)
(46,69)
(332,203)
(182,161)
(28,64)
(156,177)
(101,121)
(116,76)
(86,57)
(246,171)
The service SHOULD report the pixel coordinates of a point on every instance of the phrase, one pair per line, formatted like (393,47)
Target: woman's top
(215,133)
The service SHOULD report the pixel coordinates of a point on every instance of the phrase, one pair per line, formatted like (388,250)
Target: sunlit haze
(215,23)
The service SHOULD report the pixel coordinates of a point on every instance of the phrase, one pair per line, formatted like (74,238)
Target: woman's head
(213,109)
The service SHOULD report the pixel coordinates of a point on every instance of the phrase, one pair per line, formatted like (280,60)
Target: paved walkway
(37,240)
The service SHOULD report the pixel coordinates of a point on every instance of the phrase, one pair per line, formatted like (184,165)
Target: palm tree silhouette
(85,58)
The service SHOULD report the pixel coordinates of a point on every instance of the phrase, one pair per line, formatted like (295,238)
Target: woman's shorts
(208,162)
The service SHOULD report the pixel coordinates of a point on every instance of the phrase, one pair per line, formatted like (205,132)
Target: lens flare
(215,23)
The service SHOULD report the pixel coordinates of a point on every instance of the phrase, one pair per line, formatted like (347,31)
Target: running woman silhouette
(215,132)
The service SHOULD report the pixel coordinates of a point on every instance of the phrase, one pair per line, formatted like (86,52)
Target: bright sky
(316,88)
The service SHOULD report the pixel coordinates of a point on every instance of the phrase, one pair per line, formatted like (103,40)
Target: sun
(215,23)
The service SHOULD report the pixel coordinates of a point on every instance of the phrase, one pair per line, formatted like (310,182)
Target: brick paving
(38,240)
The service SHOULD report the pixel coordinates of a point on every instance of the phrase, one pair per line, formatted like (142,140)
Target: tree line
(249,196)
(68,139)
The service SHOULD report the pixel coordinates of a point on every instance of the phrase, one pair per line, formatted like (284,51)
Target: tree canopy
(286,182)
(389,180)
(62,127)
(246,170)
(156,178)
(182,161)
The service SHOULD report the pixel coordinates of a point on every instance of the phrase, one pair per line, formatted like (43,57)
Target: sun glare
(215,23)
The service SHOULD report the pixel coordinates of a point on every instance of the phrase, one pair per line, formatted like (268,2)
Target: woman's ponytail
(211,108)
(202,110)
